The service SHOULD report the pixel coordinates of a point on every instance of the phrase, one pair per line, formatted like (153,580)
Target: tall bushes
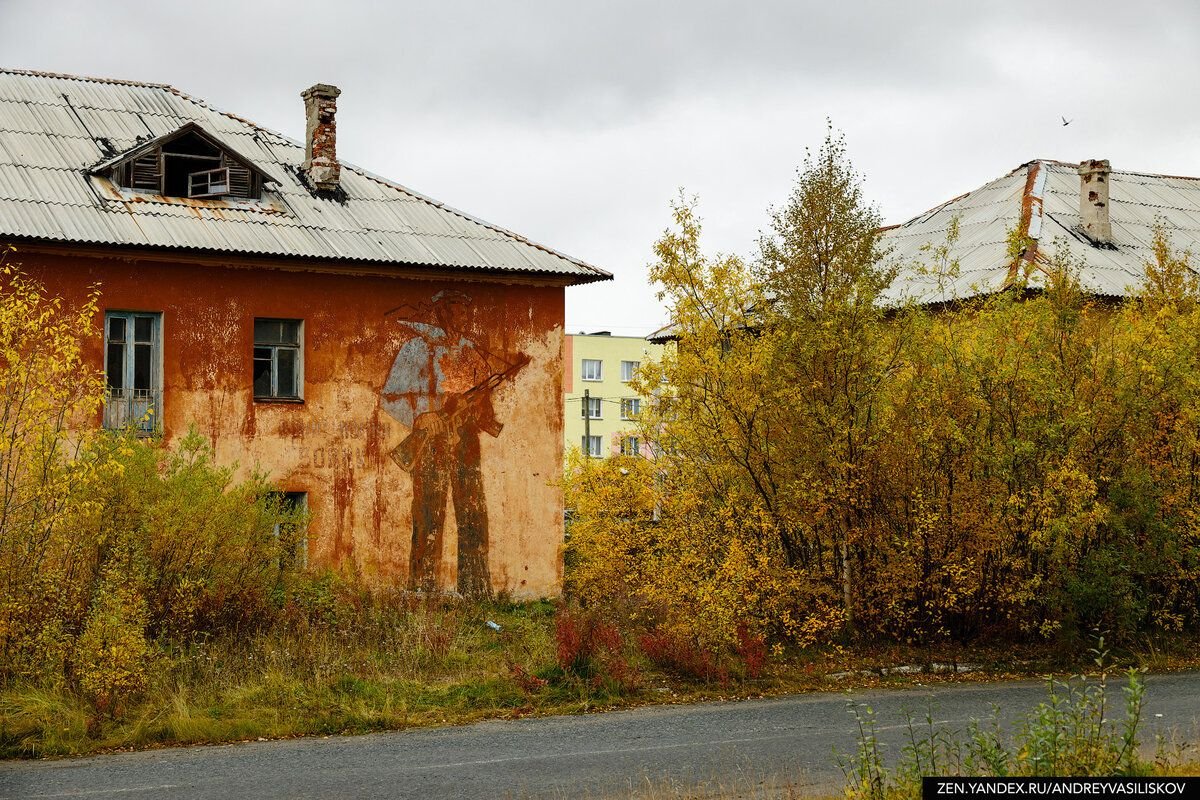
(44,387)
(1019,465)
(108,542)
(166,548)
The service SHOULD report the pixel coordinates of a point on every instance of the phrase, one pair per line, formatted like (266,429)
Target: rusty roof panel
(54,129)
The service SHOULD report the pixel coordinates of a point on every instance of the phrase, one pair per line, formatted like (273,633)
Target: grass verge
(423,663)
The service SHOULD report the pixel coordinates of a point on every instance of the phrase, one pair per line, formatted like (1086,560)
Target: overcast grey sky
(576,124)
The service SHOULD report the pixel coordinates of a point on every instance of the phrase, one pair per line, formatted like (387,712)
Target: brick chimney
(1093,200)
(320,138)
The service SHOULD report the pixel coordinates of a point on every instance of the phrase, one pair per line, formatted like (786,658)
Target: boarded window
(146,172)
(242,182)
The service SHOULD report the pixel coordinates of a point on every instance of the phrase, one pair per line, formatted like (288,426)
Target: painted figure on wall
(440,387)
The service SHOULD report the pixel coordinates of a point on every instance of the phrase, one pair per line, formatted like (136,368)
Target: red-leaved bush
(590,648)
(681,656)
(752,650)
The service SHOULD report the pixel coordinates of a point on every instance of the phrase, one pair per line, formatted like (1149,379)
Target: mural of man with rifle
(440,387)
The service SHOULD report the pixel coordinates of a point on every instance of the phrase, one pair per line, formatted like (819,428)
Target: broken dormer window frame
(209,183)
(172,166)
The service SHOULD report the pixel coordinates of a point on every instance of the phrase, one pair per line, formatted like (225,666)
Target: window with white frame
(592,446)
(628,368)
(593,369)
(209,183)
(278,359)
(630,407)
(592,408)
(629,446)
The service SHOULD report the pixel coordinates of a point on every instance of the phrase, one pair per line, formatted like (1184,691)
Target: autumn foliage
(110,544)
(827,463)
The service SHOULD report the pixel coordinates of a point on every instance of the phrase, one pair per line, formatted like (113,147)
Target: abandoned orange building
(390,362)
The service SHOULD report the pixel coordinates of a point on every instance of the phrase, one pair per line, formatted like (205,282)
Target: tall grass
(1084,728)
(388,662)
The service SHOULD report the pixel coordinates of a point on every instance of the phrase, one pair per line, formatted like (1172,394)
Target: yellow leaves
(47,399)
(112,655)
(1171,285)
(703,570)
(1017,460)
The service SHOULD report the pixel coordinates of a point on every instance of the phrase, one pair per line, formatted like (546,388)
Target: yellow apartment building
(599,403)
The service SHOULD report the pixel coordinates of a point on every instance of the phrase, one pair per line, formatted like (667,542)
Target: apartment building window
(278,359)
(628,368)
(629,446)
(593,369)
(133,370)
(631,407)
(592,446)
(592,408)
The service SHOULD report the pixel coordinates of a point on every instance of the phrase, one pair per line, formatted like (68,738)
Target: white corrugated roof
(55,129)
(1042,198)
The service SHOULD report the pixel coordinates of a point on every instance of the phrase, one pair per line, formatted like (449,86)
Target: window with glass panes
(292,510)
(592,408)
(132,369)
(628,368)
(592,446)
(629,446)
(278,361)
(592,369)
(631,407)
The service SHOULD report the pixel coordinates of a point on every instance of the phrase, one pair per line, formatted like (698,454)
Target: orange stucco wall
(568,360)
(335,445)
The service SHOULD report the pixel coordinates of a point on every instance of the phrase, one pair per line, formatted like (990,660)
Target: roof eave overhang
(357,267)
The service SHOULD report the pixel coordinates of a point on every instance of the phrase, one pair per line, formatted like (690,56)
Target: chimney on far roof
(1093,200)
(320,137)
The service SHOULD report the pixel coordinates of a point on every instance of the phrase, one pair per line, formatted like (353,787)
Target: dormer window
(188,164)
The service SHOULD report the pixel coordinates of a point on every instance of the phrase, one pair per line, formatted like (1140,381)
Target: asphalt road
(595,755)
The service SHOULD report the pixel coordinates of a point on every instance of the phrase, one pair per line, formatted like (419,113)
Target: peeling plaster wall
(335,445)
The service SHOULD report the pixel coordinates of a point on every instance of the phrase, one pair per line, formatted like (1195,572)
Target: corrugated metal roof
(1041,198)
(55,129)
(666,333)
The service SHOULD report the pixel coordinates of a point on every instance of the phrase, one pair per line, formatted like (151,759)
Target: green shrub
(167,547)
(1077,731)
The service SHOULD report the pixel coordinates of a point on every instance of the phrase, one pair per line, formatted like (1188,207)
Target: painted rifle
(458,409)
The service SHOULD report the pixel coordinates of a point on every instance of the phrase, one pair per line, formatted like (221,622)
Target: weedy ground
(425,663)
